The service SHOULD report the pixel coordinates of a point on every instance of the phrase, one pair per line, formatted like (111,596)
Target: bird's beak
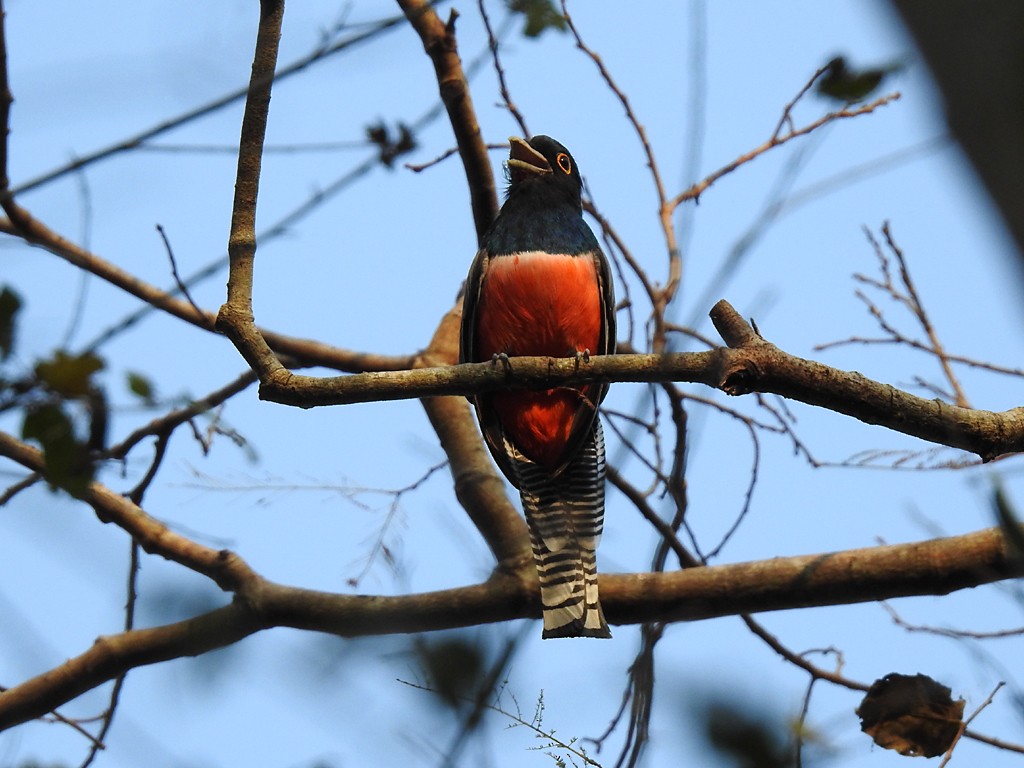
(524,161)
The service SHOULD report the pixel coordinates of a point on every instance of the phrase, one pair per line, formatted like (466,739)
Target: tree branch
(112,655)
(307,351)
(235,319)
(225,568)
(478,486)
(749,364)
(439,42)
(139,140)
(695,191)
(863,575)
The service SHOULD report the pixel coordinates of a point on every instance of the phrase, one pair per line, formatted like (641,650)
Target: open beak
(524,161)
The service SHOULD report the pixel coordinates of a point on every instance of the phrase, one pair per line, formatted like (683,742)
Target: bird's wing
(489,425)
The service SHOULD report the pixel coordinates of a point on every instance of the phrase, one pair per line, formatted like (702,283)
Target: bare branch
(439,42)
(663,296)
(506,96)
(225,568)
(169,421)
(235,319)
(138,141)
(750,364)
(837,578)
(308,351)
(174,269)
(963,726)
(478,486)
(695,191)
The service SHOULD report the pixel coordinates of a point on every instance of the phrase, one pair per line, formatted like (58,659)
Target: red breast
(537,303)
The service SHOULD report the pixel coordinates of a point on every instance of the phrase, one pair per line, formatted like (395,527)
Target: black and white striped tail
(565,514)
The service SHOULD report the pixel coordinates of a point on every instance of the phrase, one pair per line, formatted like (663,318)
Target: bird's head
(542,162)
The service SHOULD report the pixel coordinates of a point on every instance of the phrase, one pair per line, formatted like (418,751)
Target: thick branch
(935,567)
(750,364)
(863,575)
(473,378)
(478,486)
(112,655)
(762,367)
(439,42)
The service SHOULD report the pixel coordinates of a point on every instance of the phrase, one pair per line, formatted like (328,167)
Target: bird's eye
(564,162)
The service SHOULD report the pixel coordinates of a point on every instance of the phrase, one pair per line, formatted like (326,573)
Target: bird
(541,285)
(841,82)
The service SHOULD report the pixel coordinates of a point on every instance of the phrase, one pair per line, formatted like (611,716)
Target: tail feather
(565,514)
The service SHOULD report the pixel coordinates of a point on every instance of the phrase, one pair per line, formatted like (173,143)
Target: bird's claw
(502,358)
(579,357)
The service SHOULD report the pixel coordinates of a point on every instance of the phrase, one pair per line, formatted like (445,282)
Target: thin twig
(174,270)
(694,192)
(75,318)
(963,726)
(450,152)
(518,719)
(25,483)
(923,318)
(957,634)
(664,296)
(786,118)
(321,53)
(169,421)
(506,96)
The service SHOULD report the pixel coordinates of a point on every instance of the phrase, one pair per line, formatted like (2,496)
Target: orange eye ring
(564,162)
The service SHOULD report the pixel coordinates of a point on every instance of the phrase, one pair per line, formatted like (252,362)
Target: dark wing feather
(489,425)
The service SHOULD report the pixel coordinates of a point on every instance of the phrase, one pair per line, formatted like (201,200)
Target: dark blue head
(543,210)
(543,169)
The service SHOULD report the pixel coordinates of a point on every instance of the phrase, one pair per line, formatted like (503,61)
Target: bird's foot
(502,359)
(581,357)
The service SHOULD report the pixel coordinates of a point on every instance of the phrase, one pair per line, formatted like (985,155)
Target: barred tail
(565,514)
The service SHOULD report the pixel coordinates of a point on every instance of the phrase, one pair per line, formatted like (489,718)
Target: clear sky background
(376,266)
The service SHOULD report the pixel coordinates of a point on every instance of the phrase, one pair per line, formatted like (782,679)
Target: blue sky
(375,268)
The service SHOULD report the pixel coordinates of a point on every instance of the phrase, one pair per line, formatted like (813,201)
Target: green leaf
(69,375)
(10,303)
(141,387)
(68,465)
(541,15)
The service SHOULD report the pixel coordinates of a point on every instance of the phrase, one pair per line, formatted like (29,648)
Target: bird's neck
(532,223)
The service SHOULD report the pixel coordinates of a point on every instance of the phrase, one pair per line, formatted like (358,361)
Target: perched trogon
(540,285)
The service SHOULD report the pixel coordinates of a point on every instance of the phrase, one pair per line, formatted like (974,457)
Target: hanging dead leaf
(911,714)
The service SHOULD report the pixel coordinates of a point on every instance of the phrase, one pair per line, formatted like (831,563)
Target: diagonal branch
(310,352)
(139,140)
(696,190)
(439,42)
(478,486)
(225,568)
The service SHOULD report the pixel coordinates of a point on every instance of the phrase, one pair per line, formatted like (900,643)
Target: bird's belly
(539,304)
(536,303)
